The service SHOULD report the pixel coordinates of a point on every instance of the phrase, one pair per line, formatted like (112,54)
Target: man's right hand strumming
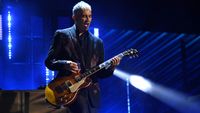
(70,65)
(74,67)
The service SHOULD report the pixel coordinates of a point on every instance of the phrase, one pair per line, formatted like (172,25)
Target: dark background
(153,15)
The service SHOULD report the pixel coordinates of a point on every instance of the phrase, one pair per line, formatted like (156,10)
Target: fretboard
(101,66)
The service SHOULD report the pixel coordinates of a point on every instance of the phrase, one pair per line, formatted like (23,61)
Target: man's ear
(74,17)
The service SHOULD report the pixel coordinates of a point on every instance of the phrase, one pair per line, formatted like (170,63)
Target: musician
(75,50)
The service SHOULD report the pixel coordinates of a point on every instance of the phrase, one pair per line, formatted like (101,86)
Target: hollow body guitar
(63,90)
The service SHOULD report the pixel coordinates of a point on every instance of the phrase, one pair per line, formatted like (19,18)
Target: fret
(108,63)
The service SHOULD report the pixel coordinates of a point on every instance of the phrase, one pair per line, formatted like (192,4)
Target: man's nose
(88,18)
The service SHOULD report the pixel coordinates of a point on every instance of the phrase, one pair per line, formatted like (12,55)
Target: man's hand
(115,61)
(74,67)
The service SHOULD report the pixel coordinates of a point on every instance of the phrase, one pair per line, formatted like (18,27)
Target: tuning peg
(135,50)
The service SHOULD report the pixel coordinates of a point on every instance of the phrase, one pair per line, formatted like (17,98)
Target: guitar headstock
(131,53)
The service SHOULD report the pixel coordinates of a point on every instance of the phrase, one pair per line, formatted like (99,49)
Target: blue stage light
(96,32)
(140,83)
(52,73)
(49,75)
(9,36)
(124,76)
(1,28)
(128,96)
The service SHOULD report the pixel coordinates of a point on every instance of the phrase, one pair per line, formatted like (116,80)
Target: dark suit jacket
(66,46)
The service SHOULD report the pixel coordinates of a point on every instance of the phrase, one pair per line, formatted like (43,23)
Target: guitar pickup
(68,83)
(77,78)
(58,89)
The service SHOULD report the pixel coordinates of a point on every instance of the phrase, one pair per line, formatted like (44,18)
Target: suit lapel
(90,50)
(77,48)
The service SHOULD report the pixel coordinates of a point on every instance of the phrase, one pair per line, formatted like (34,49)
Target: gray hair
(80,6)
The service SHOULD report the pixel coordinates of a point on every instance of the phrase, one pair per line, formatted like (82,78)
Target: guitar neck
(101,66)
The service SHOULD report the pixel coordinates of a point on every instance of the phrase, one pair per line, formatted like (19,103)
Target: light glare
(9,36)
(1,28)
(172,98)
(140,83)
(96,32)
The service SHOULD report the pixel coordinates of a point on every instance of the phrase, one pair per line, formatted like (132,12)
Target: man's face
(83,20)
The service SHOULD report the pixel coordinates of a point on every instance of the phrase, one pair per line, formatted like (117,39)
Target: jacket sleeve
(54,60)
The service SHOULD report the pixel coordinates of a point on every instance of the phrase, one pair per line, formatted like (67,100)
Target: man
(76,50)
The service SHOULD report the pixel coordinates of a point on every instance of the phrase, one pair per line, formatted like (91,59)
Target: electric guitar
(63,90)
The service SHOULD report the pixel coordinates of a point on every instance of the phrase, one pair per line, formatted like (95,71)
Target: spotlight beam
(175,99)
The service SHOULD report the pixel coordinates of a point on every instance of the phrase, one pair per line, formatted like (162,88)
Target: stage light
(52,73)
(1,28)
(124,76)
(49,75)
(9,36)
(47,72)
(96,32)
(175,99)
(128,96)
(140,83)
